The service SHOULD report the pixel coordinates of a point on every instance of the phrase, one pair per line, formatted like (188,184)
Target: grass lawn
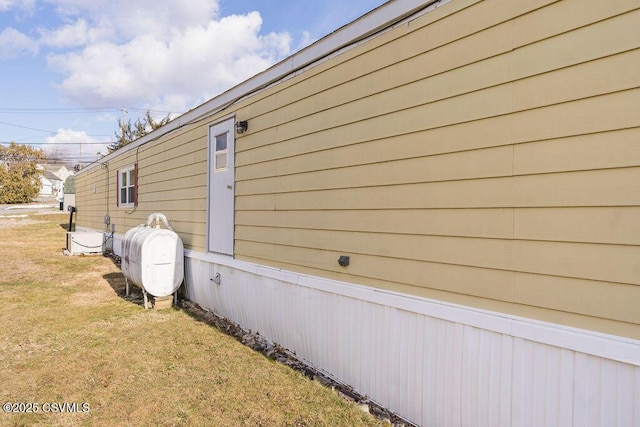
(67,335)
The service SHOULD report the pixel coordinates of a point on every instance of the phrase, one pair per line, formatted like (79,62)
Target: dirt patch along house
(478,164)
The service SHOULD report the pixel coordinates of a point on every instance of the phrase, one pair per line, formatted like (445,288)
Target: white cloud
(13,44)
(181,67)
(71,146)
(128,19)
(68,36)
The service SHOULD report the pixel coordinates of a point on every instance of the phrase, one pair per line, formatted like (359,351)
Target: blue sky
(67,67)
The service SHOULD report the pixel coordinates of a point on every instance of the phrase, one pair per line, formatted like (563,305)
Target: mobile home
(438,204)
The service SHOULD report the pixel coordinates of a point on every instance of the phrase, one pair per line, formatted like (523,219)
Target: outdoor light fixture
(242,126)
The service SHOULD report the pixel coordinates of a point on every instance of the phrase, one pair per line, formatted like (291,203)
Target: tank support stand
(146,299)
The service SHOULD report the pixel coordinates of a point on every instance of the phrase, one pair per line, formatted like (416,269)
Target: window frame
(224,153)
(131,186)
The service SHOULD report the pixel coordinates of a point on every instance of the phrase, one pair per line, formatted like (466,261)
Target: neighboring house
(53,177)
(478,163)
(61,171)
(51,184)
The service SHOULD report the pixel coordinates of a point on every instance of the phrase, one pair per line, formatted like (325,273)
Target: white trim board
(598,344)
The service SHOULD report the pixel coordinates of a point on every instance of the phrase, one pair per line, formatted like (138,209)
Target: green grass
(67,335)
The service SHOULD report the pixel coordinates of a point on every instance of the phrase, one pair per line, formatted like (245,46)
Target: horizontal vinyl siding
(610,187)
(462,77)
(473,155)
(172,179)
(580,119)
(485,153)
(92,205)
(614,263)
(614,225)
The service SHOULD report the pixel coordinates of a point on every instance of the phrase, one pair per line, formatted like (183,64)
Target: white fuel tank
(153,259)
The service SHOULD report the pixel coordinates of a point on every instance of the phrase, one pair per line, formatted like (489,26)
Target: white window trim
(128,170)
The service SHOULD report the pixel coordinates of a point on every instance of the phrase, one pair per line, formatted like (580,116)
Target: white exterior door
(221,187)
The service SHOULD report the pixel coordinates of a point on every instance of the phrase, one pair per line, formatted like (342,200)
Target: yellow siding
(171,178)
(614,225)
(578,296)
(474,164)
(485,153)
(489,223)
(615,149)
(391,132)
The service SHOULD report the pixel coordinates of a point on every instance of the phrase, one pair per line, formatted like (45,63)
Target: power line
(83,110)
(145,110)
(69,111)
(27,127)
(58,143)
(11,110)
(40,130)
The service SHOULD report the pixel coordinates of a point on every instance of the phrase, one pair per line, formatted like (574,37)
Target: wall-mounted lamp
(242,126)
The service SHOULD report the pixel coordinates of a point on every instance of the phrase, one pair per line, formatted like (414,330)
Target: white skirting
(433,363)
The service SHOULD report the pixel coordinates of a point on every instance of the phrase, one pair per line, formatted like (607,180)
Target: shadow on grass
(65,226)
(117,283)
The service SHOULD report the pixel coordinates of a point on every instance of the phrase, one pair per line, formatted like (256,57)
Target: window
(220,155)
(128,186)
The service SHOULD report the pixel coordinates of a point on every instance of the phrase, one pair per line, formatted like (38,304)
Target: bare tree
(57,155)
(128,132)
